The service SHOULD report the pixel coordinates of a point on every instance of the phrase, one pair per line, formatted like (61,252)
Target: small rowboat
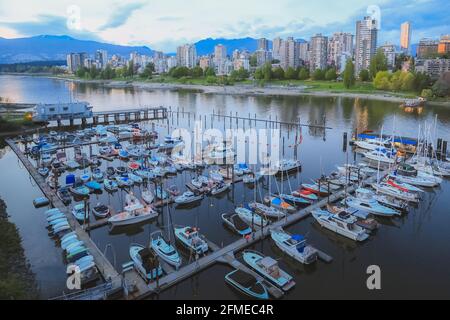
(100,211)
(236,223)
(308,195)
(314,188)
(134,166)
(247,284)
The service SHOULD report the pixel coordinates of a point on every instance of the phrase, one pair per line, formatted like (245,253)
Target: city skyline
(176,24)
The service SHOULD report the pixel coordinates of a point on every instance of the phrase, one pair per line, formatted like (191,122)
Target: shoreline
(240,90)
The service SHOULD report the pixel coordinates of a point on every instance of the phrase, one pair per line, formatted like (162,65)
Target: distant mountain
(206,46)
(46,48)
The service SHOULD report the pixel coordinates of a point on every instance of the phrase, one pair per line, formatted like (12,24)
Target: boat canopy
(401,140)
(298,237)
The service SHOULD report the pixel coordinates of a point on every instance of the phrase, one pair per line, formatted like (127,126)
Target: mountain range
(55,48)
(52,48)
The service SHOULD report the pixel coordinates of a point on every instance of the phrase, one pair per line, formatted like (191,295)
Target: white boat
(100,210)
(216,176)
(110,185)
(382,155)
(135,212)
(286,165)
(294,245)
(395,192)
(392,181)
(251,217)
(391,202)
(80,213)
(145,262)
(220,188)
(417,180)
(432,169)
(268,268)
(148,196)
(135,178)
(188,197)
(200,181)
(164,249)
(372,144)
(124,181)
(266,211)
(191,239)
(236,223)
(343,223)
(364,201)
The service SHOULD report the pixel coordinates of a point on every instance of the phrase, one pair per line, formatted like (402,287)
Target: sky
(162,25)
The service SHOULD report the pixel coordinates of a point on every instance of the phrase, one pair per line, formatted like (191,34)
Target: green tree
(278,73)
(130,70)
(209,72)
(382,80)
(441,88)
(364,75)
(427,93)
(407,79)
(197,72)
(349,74)
(422,81)
(148,70)
(303,74)
(291,74)
(267,73)
(253,60)
(318,74)
(378,63)
(331,74)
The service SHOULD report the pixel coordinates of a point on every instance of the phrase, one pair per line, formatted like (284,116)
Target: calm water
(413,251)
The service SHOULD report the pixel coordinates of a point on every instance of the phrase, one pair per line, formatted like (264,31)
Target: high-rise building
(263,44)
(75,61)
(405,36)
(318,52)
(220,54)
(262,57)
(101,58)
(289,54)
(304,52)
(276,48)
(340,43)
(444,44)
(366,43)
(204,62)
(427,48)
(389,53)
(187,56)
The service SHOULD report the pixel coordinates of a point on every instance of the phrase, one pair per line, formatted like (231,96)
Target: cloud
(48,24)
(169,18)
(121,15)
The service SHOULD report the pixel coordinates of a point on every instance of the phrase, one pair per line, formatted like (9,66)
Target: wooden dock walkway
(102,263)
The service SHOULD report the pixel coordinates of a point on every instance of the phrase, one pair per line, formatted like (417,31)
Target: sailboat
(364,201)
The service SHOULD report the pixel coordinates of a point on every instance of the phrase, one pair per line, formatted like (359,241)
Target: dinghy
(191,239)
(314,188)
(148,196)
(247,284)
(164,249)
(297,201)
(269,269)
(94,185)
(135,178)
(124,181)
(145,262)
(110,185)
(294,245)
(80,213)
(43,171)
(98,175)
(236,224)
(306,194)
(81,191)
(280,204)
(220,188)
(64,195)
(100,210)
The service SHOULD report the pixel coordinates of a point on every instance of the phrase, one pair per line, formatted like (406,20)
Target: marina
(225,247)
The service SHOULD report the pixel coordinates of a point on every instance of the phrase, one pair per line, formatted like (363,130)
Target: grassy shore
(17,281)
(15,124)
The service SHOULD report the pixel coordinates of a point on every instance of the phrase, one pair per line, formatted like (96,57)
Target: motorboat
(247,284)
(269,269)
(100,210)
(161,194)
(110,185)
(98,175)
(121,170)
(188,197)
(85,177)
(216,176)
(220,188)
(191,239)
(93,185)
(124,181)
(64,195)
(134,213)
(251,218)
(164,249)
(294,245)
(364,201)
(145,174)
(135,178)
(391,202)
(286,165)
(80,213)
(236,223)
(145,262)
(241,169)
(266,211)
(80,190)
(110,172)
(51,181)
(173,190)
(200,181)
(43,171)
(148,196)
(342,223)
